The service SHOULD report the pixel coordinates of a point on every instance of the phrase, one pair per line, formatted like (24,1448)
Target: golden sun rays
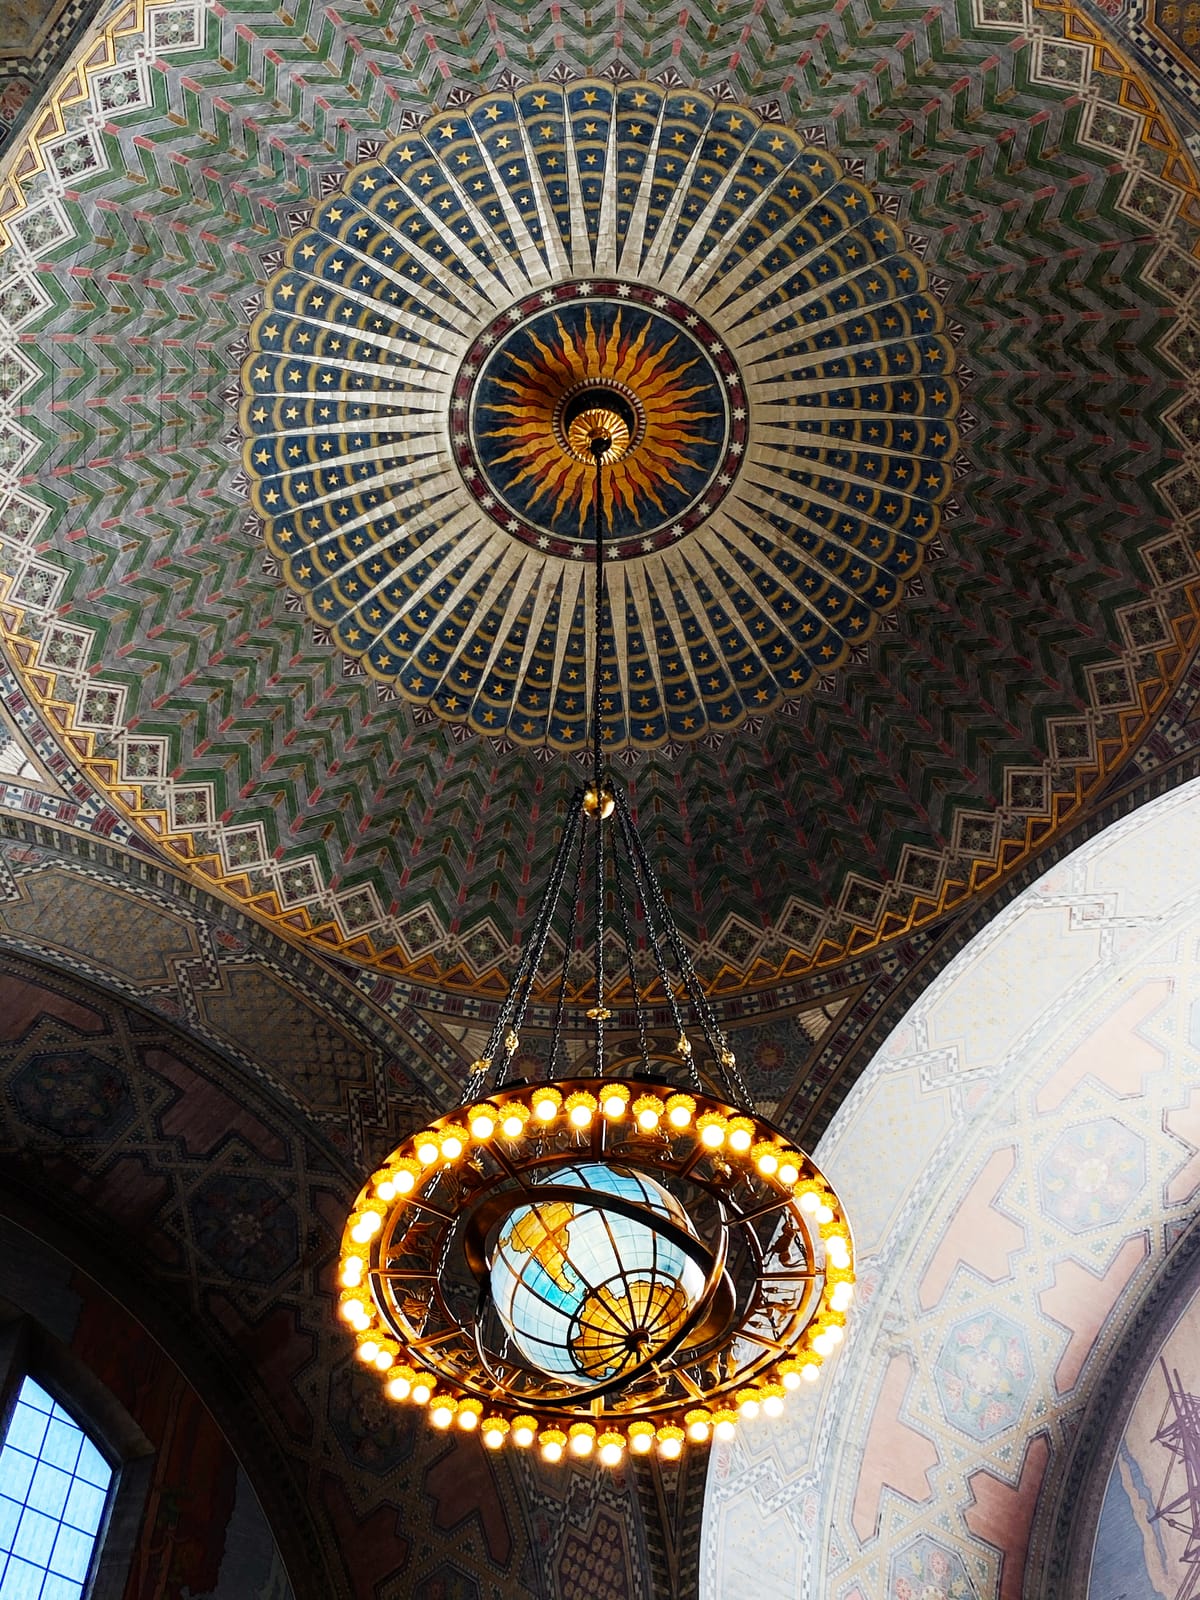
(661,379)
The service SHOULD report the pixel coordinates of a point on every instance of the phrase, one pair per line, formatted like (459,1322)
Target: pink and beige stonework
(1021,1160)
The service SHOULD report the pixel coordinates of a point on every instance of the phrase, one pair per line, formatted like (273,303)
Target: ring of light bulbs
(405,1268)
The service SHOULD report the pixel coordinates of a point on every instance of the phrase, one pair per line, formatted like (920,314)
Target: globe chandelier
(626,1260)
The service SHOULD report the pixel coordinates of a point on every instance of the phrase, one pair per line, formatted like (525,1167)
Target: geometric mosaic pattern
(1042,1091)
(156,637)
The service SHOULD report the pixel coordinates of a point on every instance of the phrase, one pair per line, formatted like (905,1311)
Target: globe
(586,1292)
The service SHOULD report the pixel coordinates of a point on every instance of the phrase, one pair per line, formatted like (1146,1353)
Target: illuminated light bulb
(670,1442)
(386,1188)
(441,1411)
(399,1387)
(468,1414)
(366,1227)
(647,1108)
(524,1432)
(581,1436)
(842,1296)
(546,1102)
(385,1361)
(611,1449)
(428,1148)
(422,1390)
(483,1122)
(404,1176)
(352,1272)
(772,1399)
(835,1334)
(724,1424)
(513,1119)
(614,1100)
(580,1108)
(810,1372)
(823,1344)
(837,1252)
(824,1212)
(680,1109)
(552,1442)
(699,1425)
(749,1402)
(367,1351)
(641,1438)
(494,1432)
(789,1170)
(453,1142)
(740,1134)
(809,1201)
(790,1374)
(766,1158)
(711,1128)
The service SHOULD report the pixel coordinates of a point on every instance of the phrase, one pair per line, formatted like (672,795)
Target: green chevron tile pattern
(161,627)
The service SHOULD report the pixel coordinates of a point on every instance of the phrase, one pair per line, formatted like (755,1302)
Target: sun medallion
(433,357)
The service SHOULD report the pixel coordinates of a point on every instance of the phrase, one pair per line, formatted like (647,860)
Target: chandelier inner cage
(620,1259)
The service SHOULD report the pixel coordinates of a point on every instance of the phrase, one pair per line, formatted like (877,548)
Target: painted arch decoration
(404,393)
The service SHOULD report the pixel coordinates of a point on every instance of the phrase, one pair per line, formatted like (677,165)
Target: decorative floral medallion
(786,417)
(983,1374)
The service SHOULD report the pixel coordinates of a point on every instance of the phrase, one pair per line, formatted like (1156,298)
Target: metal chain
(627,935)
(546,916)
(560,1009)
(629,835)
(527,965)
(600,1010)
(714,1033)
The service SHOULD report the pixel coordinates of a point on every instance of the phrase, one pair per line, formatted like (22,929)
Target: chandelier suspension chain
(541,933)
(660,963)
(599,446)
(517,999)
(714,1034)
(560,1007)
(639,1009)
(601,802)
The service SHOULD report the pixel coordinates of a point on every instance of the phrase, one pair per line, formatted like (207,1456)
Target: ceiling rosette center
(784,399)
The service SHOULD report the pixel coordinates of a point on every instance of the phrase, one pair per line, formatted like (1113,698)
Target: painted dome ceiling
(293,307)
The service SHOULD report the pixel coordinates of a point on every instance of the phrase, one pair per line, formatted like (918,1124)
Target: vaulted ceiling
(903,589)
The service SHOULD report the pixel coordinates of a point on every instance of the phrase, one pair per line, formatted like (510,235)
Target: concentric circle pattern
(782,354)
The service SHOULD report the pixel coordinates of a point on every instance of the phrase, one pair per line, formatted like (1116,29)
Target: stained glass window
(54,1487)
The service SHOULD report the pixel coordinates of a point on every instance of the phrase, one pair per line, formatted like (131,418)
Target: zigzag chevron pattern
(1055,212)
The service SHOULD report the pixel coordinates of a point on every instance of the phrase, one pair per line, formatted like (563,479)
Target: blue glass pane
(91,1466)
(85,1506)
(21,1581)
(16,1472)
(61,1445)
(48,1516)
(49,1489)
(35,1537)
(72,1552)
(56,1588)
(27,1430)
(10,1515)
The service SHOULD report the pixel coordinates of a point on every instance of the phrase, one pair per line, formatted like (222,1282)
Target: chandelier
(626,1259)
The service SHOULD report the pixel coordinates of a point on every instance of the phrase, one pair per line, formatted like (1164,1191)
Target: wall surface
(1021,1162)
(203,1535)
